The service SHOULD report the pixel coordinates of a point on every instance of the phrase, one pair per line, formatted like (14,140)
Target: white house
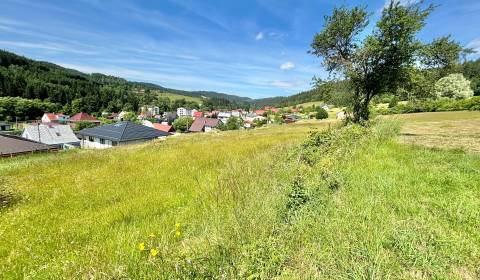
(54,118)
(184,112)
(151,110)
(60,136)
(122,133)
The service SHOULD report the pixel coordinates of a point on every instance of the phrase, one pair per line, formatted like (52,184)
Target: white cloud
(402,2)
(285,84)
(287,66)
(475,45)
(259,36)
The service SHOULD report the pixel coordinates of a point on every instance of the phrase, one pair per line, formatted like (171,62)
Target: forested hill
(30,79)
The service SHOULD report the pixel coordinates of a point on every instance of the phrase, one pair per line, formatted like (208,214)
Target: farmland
(249,204)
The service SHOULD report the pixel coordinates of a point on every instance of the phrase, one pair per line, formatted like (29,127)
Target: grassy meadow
(173,96)
(276,202)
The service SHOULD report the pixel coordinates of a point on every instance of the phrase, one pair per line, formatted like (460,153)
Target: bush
(321,114)
(182,124)
(82,125)
(440,105)
(453,86)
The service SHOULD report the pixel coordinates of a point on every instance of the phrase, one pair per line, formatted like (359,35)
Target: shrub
(321,114)
(440,105)
(182,124)
(453,86)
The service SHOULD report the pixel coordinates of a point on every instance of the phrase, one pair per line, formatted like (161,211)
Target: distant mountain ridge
(32,79)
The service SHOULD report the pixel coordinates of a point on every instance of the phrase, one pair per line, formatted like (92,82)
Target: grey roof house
(13,145)
(122,133)
(5,126)
(57,135)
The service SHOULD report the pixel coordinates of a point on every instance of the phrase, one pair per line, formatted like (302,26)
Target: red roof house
(84,117)
(197,114)
(203,124)
(163,127)
(260,112)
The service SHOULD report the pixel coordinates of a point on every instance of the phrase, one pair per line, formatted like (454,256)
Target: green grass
(364,207)
(173,96)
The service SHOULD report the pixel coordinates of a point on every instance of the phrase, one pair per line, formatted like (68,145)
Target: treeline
(49,87)
(420,87)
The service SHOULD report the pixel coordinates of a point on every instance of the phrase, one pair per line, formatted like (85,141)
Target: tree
(82,125)
(321,114)
(182,124)
(234,123)
(453,86)
(381,62)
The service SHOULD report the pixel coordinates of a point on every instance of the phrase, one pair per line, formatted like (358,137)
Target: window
(90,138)
(102,141)
(58,133)
(114,143)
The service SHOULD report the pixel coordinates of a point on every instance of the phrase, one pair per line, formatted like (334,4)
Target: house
(197,114)
(260,112)
(204,125)
(183,112)
(164,127)
(56,135)
(170,116)
(13,145)
(150,110)
(83,117)
(5,126)
(325,107)
(122,133)
(54,118)
(224,116)
(112,116)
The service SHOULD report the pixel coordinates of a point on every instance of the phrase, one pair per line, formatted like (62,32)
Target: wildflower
(151,235)
(141,246)
(153,252)
(177,226)
(178,233)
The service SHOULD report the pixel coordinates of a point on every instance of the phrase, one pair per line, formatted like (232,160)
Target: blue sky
(249,48)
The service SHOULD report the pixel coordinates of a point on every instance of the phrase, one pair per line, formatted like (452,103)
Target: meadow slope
(350,203)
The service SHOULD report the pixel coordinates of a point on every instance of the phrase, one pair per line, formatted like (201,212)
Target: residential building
(170,116)
(204,125)
(54,118)
(260,112)
(197,114)
(122,133)
(150,110)
(164,127)
(83,117)
(13,145)
(184,112)
(57,135)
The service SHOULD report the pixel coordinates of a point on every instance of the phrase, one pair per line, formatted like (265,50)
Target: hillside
(93,93)
(345,203)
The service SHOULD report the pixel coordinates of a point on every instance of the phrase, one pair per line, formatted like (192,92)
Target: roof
(50,134)
(198,114)
(123,131)
(52,116)
(163,127)
(199,124)
(12,145)
(83,117)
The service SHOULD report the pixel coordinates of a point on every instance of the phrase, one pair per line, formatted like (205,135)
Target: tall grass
(272,203)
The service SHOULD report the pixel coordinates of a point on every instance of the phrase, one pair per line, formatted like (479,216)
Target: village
(58,131)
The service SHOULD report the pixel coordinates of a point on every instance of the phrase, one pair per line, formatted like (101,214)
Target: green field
(173,96)
(353,203)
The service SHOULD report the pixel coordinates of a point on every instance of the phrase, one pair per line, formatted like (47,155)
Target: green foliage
(131,116)
(24,109)
(234,123)
(321,114)
(82,125)
(445,104)
(384,60)
(453,86)
(182,124)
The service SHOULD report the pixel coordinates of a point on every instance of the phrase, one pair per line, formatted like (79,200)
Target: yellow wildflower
(141,246)
(153,252)
(177,226)
(178,233)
